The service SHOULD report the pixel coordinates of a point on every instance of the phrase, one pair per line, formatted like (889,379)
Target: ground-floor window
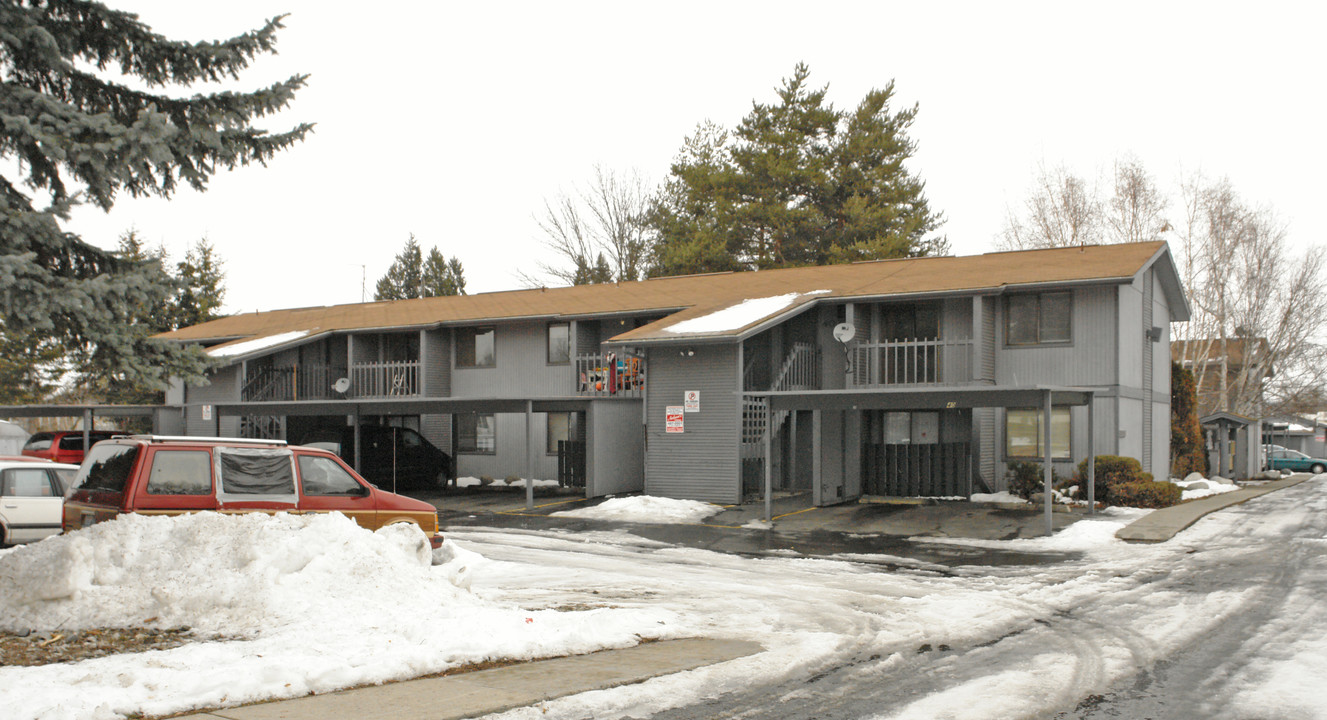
(561,426)
(477,433)
(1023,433)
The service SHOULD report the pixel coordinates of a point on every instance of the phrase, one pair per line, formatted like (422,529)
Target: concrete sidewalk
(488,691)
(1162,525)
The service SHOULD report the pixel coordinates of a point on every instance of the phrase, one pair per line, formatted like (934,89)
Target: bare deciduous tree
(1258,305)
(598,233)
(1062,211)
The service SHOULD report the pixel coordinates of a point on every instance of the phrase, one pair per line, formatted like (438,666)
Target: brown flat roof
(697,296)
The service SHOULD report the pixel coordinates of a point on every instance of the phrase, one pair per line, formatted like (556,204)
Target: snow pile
(740,315)
(319,602)
(463,482)
(1000,497)
(646,509)
(1195,486)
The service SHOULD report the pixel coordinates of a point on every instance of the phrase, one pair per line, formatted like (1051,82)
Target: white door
(30,504)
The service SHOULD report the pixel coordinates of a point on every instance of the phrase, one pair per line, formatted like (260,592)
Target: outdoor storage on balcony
(923,343)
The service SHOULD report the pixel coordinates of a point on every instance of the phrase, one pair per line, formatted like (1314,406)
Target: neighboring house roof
(720,306)
(1226,416)
(1236,350)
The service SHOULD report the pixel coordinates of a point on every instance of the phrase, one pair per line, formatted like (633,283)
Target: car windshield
(106,468)
(40,441)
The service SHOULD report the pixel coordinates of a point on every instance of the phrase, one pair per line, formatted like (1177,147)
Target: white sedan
(32,499)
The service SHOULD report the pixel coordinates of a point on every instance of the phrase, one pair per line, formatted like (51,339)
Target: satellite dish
(341,385)
(843,332)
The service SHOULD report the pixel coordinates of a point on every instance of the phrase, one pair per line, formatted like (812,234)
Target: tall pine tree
(411,276)
(797,183)
(71,133)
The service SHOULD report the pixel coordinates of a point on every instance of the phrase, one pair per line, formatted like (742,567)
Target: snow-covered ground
(501,482)
(320,604)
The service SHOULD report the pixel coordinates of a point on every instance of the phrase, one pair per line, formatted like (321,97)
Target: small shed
(12,438)
(1234,445)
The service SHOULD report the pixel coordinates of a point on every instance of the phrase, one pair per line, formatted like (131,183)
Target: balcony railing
(314,382)
(384,379)
(610,375)
(911,362)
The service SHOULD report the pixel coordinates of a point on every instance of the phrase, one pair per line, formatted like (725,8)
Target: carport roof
(930,398)
(716,303)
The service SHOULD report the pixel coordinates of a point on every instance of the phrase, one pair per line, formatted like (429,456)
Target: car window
(1295,455)
(27,482)
(107,468)
(324,476)
(40,441)
(65,476)
(256,472)
(72,442)
(410,438)
(180,472)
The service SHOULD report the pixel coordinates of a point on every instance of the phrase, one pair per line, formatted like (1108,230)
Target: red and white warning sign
(673,419)
(691,401)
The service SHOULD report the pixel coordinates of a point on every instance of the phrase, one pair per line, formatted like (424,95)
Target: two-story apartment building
(920,376)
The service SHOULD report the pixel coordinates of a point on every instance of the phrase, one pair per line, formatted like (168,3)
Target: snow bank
(1000,497)
(1194,486)
(646,509)
(319,602)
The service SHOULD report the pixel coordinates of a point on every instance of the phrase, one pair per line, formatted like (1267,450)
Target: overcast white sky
(455,121)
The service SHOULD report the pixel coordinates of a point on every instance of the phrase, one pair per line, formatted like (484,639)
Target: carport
(598,413)
(821,402)
(162,416)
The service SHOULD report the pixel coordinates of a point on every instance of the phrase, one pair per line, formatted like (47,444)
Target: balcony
(922,361)
(314,382)
(610,375)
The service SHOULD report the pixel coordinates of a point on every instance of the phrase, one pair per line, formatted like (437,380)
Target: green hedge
(1026,479)
(1111,472)
(1146,494)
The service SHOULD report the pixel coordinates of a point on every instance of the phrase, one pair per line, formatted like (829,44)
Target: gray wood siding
(1090,359)
(1130,334)
(702,462)
(510,457)
(521,368)
(615,448)
(436,357)
(224,388)
(1148,377)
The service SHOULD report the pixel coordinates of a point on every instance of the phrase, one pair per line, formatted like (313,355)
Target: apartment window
(475,347)
(1037,318)
(561,426)
(559,343)
(477,433)
(1023,433)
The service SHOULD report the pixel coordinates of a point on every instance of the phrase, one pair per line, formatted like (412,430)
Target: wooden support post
(769,459)
(529,454)
(1091,457)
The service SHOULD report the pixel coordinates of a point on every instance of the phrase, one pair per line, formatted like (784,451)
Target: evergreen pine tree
(797,183)
(1186,434)
(68,134)
(413,276)
(403,279)
(201,276)
(442,276)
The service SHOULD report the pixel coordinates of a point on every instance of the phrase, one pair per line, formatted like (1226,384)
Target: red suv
(155,475)
(63,446)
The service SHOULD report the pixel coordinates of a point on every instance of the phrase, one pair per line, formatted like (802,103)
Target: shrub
(1146,494)
(1111,471)
(1025,479)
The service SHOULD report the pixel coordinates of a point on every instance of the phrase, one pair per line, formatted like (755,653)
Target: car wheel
(1317,468)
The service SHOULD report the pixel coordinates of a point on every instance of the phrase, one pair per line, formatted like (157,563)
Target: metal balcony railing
(921,361)
(610,374)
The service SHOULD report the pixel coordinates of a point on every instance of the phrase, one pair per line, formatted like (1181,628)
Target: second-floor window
(1037,318)
(475,347)
(559,343)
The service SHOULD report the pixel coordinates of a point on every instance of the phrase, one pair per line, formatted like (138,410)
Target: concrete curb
(490,691)
(1162,525)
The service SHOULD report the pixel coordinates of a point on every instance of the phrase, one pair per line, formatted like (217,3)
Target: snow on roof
(247,346)
(740,315)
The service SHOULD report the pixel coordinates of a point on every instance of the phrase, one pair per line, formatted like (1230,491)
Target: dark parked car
(63,446)
(390,457)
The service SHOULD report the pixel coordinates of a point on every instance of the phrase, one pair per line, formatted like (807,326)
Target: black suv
(390,457)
